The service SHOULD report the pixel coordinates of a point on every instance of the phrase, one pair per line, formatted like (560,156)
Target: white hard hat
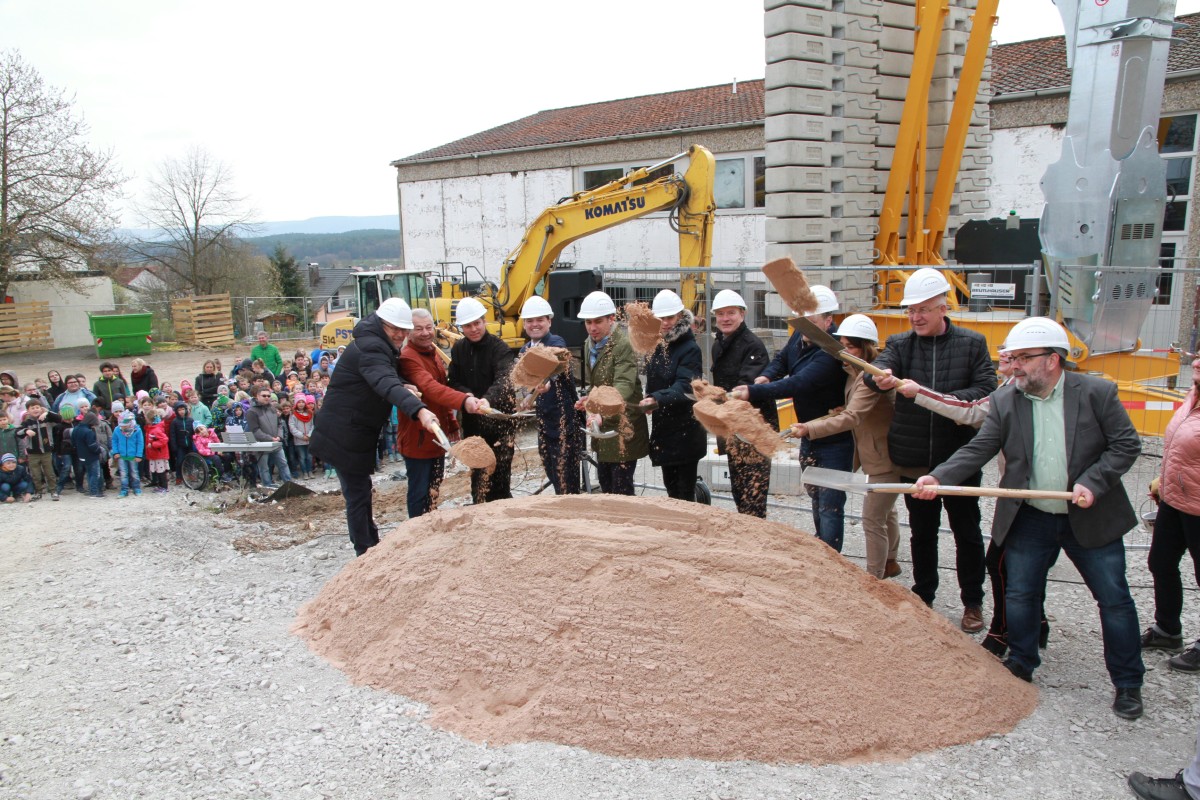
(1036,332)
(469,309)
(858,326)
(596,304)
(536,306)
(666,304)
(827,301)
(923,284)
(395,311)
(728,298)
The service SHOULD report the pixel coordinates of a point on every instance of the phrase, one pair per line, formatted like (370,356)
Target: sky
(307,102)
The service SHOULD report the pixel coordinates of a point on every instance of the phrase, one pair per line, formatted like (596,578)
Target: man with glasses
(75,394)
(262,419)
(949,360)
(1066,432)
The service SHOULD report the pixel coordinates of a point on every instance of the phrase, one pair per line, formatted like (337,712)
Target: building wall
(69,308)
(1020,157)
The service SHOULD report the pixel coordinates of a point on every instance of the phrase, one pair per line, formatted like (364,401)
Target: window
(739,182)
(1177,144)
(1167,262)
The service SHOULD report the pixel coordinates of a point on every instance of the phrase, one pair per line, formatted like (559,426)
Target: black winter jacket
(957,363)
(43,439)
(482,369)
(676,437)
(206,386)
(811,377)
(739,358)
(556,408)
(359,400)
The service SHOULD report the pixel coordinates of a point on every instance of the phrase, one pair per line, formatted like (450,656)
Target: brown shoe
(972,619)
(891,569)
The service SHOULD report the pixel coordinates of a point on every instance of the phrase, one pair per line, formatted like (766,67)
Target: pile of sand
(791,284)
(539,363)
(645,329)
(605,401)
(474,452)
(655,628)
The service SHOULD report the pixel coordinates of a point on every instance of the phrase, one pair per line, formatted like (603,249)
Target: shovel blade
(835,479)
(290,489)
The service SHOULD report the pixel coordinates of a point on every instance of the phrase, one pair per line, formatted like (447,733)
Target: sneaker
(1159,788)
(270,486)
(1187,661)
(972,619)
(137,492)
(55,496)
(1153,640)
(1128,703)
(123,493)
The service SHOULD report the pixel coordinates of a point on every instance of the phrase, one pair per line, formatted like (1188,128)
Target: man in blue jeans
(815,382)
(1059,432)
(263,421)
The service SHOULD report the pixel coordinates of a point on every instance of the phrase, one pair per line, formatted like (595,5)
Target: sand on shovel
(537,364)
(738,418)
(655,628)
(605,401)
(645,329)
(707,411)
(474,452)
(706,391)
(791,284)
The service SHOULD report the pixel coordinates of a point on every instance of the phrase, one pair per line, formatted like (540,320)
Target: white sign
(993,291)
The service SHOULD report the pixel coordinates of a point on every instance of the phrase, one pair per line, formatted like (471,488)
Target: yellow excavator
(1102,222)
(687,196)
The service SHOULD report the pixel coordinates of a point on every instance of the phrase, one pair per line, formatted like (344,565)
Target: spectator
(263,421)
(128,448)
(203,440)
(207,383)
(65,465)
(74,395)
(158,450)
(110,387)
(9,438)
(181,431)
(87,453)
(950,360)
(480,363)
(301,425)
(55,384)
(12,402)
(142,377)
(9,378)
(14,480)
(677,440)
(268,353)
(200,413)
(608,360)
(37,438)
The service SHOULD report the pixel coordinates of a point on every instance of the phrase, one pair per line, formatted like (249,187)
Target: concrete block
(819,229)
(816,179)
(818,22)
(822,50)
(798,100)
(868,8)
(820,204)
(811,75)
(835,254)
(820,128)
(785,472)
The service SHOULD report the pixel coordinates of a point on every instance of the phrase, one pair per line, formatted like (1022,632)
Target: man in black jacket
(479,365)
(357,405)
(738,357)
(954,361)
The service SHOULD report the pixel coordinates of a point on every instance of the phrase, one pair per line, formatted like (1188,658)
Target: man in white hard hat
(358,403)
(738,357)
(814,380)
(951,360)
(608,360)
(560,441)
(1064,432)
(480,364)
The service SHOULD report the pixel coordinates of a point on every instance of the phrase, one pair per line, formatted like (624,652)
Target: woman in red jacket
(1176,529)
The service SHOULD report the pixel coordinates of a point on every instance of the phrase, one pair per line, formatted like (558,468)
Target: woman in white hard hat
(738,357)
(479,365)
(677,440)
(868,416)
(560,440)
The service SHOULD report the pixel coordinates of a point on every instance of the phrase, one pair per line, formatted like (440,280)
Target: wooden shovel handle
(867,366)
(970,491)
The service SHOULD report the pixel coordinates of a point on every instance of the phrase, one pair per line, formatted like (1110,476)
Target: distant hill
(358,247)
(386,222)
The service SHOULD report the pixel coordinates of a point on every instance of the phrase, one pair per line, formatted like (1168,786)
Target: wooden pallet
(25,326)
(203,321)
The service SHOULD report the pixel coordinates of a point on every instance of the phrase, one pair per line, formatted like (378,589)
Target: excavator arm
(688,196)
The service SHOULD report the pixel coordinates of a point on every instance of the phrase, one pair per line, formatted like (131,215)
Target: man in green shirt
(269,354)
(1065,432)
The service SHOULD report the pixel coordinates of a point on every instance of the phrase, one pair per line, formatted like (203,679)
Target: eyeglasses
(1021,361)
(922,312)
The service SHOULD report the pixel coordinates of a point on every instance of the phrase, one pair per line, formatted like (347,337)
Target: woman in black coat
(677,440)
(142,377)
(357,404)
(207,383)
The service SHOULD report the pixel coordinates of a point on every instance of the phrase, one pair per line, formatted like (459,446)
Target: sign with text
(993,291)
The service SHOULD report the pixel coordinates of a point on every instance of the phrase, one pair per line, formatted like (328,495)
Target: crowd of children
(128,433)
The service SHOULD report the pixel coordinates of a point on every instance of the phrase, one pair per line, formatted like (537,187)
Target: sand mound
(537,364)
(791,284)
(655,628)
(737,417)
(706,391)
(605,401)
(645,329)
(474,452)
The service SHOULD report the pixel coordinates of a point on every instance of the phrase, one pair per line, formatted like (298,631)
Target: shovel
(491,412)
(596,433)
(857,483)
(821,338)
(441,438)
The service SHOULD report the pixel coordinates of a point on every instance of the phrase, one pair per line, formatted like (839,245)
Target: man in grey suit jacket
(1066,432)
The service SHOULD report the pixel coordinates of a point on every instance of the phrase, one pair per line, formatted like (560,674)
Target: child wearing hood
(158,452)
(128,449)
(203,439)
(64,452)
(87,452)
(182,429)
(14,480)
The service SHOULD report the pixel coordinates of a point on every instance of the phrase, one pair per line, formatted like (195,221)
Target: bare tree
(197,220)
(56,193)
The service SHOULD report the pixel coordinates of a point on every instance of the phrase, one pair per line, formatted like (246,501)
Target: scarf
(303,416)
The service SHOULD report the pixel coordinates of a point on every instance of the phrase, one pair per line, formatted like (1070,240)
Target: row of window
(740,181)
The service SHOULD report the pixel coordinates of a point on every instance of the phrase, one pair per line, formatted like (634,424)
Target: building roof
(328,281)
(689,109)
(1042,63)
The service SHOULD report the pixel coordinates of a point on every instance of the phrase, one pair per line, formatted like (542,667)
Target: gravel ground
(145,655)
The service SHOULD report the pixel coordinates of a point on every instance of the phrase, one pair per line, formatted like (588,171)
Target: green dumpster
(121,334)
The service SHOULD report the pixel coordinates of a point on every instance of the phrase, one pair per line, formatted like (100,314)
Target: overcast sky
(308,102)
